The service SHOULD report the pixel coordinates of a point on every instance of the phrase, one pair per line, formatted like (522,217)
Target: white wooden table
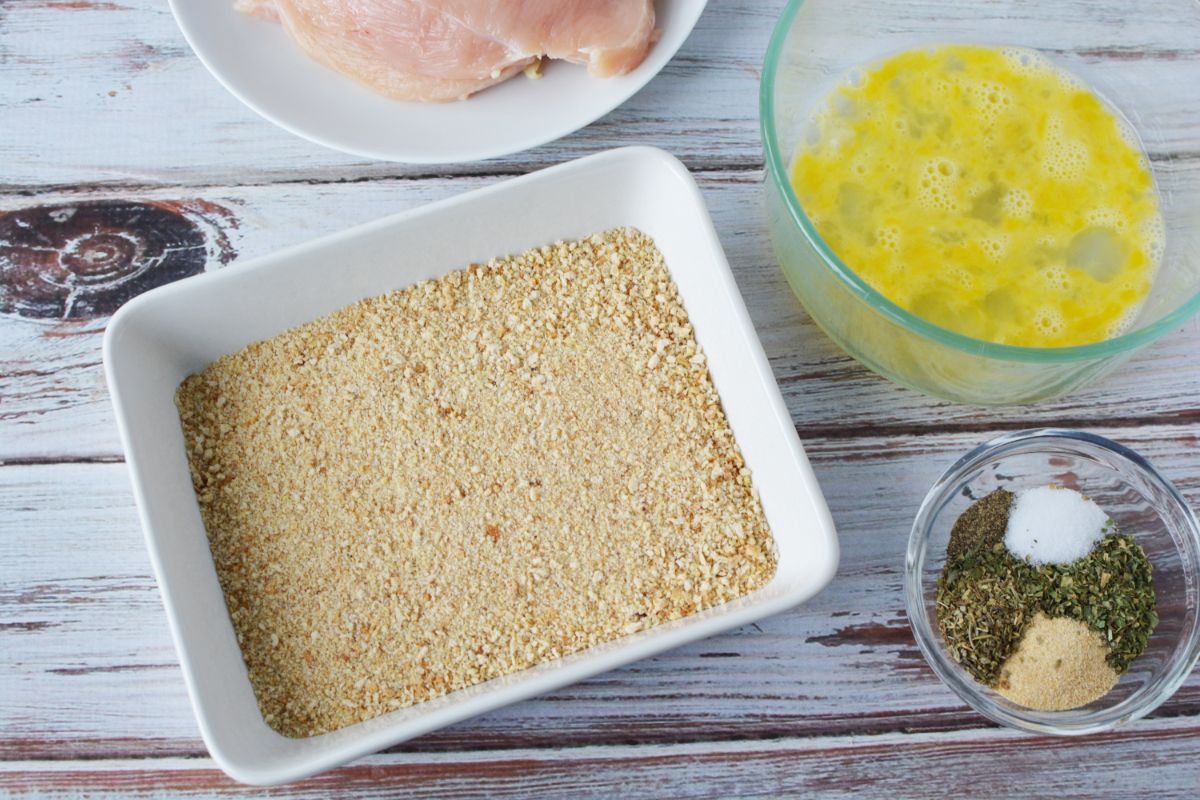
(102,101)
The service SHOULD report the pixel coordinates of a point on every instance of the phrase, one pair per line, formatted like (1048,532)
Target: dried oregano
(986,597)
(982,608)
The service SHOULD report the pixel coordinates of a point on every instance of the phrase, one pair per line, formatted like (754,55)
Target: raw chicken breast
(437,50)
(257,8)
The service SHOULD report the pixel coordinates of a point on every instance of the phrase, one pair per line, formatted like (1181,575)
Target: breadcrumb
(454,481)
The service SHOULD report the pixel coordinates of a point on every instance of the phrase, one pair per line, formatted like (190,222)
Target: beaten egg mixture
(986,190)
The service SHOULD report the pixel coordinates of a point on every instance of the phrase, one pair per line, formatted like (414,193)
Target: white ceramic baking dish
(161,337)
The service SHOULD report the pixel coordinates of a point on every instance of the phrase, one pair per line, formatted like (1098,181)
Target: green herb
(1112,590)
(983,607)
(982,525)
(986,597)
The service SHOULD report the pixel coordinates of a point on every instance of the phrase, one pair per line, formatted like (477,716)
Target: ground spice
(987,598)
(1059,664)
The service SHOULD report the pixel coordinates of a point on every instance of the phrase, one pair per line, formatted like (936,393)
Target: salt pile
(1053,525)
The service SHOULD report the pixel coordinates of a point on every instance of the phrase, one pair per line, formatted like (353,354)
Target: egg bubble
(1025,61)
(1126,131)
(864,161)
(1123,323)
(1056,278)
(938,176)
(941,168)
(1153,235)
(1065,159)
(1048,321)
(1017,203)
(994,246)
(1106,217)
(1067,79)
(888,238)
(991,99)
(936,198)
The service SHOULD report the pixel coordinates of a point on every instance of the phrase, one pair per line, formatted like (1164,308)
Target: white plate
(157,339)
(259,64)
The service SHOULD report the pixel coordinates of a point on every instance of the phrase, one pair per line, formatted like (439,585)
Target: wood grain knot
(83,261)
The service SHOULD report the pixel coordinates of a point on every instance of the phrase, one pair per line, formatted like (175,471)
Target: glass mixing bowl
(1140,56)
(1142,502)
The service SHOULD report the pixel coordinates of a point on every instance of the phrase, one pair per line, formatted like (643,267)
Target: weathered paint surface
(126,166)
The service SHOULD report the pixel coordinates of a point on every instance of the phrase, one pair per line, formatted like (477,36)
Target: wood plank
(53,404)
(104,101)
(1146,757)
(89,672)
(125,69)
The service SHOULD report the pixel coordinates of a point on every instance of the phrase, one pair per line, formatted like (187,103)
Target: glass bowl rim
(962,685)
(777,171)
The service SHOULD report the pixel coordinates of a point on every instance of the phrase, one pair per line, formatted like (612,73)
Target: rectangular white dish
(158,339)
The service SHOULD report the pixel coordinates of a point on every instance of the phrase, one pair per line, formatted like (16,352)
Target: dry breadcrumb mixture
(461,479)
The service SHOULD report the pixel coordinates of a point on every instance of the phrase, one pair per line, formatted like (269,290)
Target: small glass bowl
(1142,502)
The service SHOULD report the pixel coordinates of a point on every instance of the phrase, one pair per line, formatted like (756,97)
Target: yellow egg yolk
(987,191)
